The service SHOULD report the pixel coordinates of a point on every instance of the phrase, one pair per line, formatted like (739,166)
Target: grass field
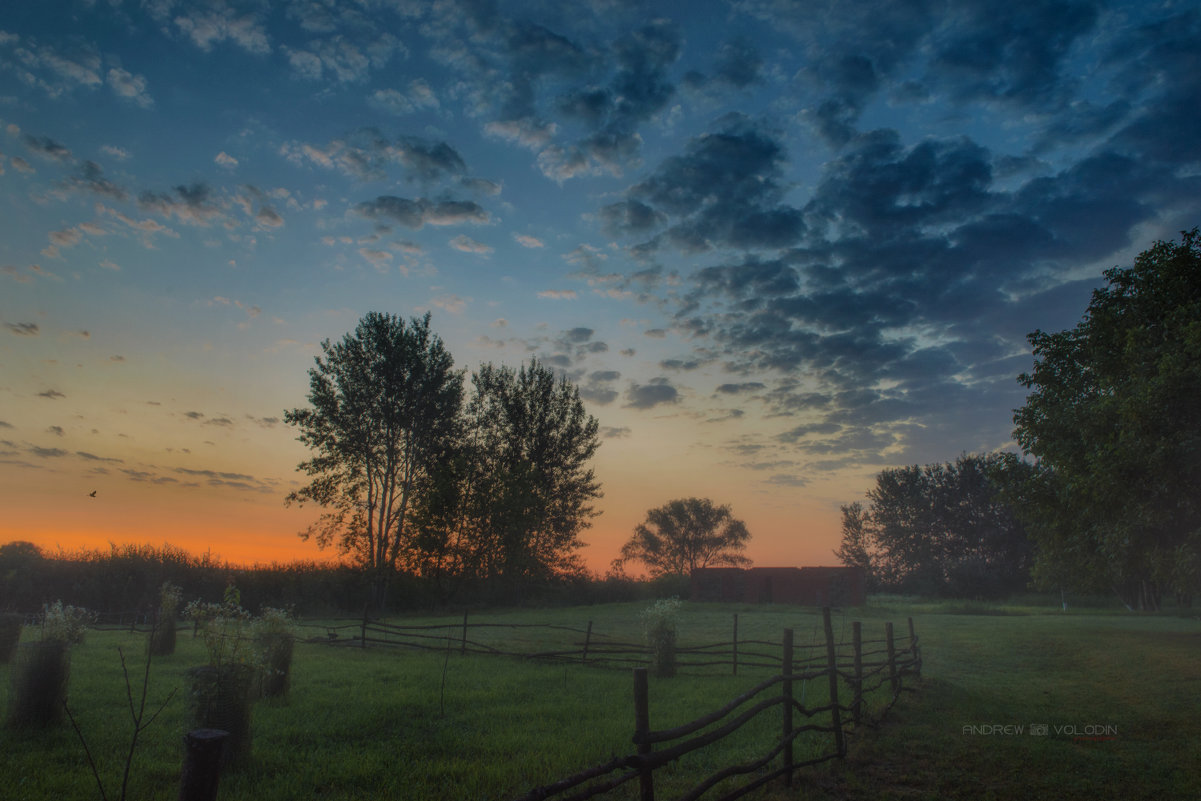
(392,723)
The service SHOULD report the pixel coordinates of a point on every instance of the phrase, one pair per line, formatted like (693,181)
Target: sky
(779,245)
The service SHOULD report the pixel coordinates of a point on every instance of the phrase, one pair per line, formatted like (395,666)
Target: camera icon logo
(1040,729)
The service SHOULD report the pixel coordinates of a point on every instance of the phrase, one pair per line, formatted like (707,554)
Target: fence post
(363,630)
(463,645)
(917,659)
(892,659)
(587,640)
(202,764)
(642,728)
(735,643)
(787,690)
(832,669)
(857,639)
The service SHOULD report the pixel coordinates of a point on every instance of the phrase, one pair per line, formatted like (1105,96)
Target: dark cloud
(738,389)
(47,148)
(89,177)
(91,457)
(415,214)
(56,431)
(192,204)
(747,163)
(681,364)
(23,329)
(52,394)
(47,453)
(647,396)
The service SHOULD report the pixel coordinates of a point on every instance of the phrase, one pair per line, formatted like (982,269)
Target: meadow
(397,723)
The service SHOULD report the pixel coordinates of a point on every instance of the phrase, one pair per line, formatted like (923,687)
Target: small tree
(685,534)
(659,622)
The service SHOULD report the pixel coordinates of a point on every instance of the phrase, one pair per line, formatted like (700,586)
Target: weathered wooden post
(363,628)
(787,690)
(917,657)
(642,728)
(893,679)
(463,645)
(735,643)
(587,640)
(857,640)
(832,669)
(202,764)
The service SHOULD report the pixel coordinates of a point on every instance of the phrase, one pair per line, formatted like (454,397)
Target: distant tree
(685,534)
(384,413)
(941,529)
(1114,422)
(511,505)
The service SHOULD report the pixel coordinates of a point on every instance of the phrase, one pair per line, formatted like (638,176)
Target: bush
(222,698)
(659,622)
(38,689)
(10,634)
(162,636)
(275,640)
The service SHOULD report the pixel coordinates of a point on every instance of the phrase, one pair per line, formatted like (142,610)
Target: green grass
(1138,673)
(380,723)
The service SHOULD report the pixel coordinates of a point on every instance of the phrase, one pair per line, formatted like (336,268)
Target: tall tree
(384,410)
(941,529)
(1114,423)
(685,534)
(511,505)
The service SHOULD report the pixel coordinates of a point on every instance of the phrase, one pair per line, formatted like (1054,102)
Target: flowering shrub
(227,629)
(65,623)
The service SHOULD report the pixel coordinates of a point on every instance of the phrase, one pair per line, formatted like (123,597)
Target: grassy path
(1120,694)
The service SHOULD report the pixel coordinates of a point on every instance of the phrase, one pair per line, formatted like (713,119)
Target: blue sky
(779,245)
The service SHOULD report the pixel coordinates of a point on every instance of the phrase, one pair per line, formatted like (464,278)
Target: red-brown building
(805,586)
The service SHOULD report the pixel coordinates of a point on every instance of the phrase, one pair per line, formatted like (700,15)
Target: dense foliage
(941,529)
(1114,422)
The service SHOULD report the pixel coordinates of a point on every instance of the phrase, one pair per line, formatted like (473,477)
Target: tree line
(1106,497)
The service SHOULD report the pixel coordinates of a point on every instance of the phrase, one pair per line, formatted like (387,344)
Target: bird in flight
(92,494)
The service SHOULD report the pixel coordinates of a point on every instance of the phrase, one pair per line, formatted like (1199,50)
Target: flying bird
(92,494)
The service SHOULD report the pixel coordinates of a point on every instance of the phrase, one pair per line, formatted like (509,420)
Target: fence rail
(864,672)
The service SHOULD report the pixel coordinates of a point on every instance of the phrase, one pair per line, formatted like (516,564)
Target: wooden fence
(589,646)
(872,665)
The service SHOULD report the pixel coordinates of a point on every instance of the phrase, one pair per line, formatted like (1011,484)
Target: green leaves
(1115,424)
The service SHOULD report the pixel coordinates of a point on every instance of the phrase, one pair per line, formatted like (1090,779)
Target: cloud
(217,23)
(47,453)
(130,87)
(343,59)
(192,204)
(528,241)
(646,396)
(91,457)
(558,294)
(415,214)
(23,329)
(468,245)
(47,148)
(418,96)
(367,154)
(52,394)
(223,159)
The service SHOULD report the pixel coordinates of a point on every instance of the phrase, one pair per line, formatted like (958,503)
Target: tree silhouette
(384,411)
(685,534)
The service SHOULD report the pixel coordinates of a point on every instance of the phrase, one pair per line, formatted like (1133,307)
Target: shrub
(38,685)
(162,636)
(66,624)
(275,639)
(10,634)
(659,623)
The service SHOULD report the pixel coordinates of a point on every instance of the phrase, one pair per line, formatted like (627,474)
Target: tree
(941,529)
(384,411)
(685,534)
(511,505)
(1114,424)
